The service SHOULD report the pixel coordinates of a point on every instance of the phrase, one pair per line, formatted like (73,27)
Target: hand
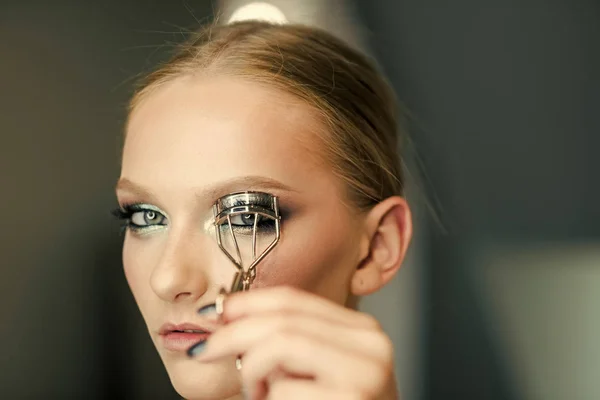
(296,345)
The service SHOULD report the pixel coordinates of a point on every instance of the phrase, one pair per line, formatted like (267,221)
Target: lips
(181,337)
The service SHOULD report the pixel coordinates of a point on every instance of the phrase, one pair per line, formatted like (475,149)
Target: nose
(179,274)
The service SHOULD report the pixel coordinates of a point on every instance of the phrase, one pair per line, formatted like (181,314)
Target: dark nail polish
(208,309)
(196,349)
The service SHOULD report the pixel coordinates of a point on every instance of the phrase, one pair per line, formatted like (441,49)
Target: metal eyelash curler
(260,210)
(255,218)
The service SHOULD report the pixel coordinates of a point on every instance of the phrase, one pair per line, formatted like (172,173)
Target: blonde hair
(343,86)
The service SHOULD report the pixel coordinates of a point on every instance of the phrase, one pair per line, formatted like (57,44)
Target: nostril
(180,296)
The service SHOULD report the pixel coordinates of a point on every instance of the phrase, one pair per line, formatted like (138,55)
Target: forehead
(201,130)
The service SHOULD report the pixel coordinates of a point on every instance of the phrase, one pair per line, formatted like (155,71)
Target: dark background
(504,97)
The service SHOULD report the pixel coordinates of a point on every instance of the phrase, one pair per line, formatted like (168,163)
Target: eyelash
(240,202)
(126,212)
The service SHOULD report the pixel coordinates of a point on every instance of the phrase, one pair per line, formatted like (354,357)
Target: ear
(388,231)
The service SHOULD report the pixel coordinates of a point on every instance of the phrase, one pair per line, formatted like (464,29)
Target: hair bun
(258,11)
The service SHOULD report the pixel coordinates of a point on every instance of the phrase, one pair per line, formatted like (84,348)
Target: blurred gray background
(500,303)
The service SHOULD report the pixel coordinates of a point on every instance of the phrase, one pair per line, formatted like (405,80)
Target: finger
(240,336)
(262,388)
(286,299)
(328,366)
(288,389)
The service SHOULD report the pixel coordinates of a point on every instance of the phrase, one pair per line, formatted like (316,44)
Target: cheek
(319,260)
(137,267)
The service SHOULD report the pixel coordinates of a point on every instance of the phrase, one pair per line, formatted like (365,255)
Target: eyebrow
(216,190)
(243,183)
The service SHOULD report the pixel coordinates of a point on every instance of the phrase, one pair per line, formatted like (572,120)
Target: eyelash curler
(254,207)
(260,217)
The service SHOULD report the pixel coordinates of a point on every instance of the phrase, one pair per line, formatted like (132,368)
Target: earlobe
(389,231)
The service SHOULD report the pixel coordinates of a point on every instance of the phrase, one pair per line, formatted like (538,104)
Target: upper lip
(170,327)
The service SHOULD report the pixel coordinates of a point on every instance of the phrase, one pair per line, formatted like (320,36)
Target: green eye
(247,219)
(147,218)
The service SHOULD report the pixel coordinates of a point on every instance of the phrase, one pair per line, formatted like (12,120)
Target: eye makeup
(247,213)
(144,218)
(141,218)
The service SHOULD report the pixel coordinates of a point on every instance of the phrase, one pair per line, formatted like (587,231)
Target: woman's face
(191,142)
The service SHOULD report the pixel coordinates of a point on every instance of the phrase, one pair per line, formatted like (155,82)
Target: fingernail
(196,349)
(207,309)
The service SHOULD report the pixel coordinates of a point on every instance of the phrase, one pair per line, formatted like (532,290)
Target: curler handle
(241,282)
(238,282)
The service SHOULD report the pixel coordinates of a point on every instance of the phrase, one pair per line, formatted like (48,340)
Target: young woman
(292,111)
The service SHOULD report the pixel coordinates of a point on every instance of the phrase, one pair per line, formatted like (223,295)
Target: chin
(197,381)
